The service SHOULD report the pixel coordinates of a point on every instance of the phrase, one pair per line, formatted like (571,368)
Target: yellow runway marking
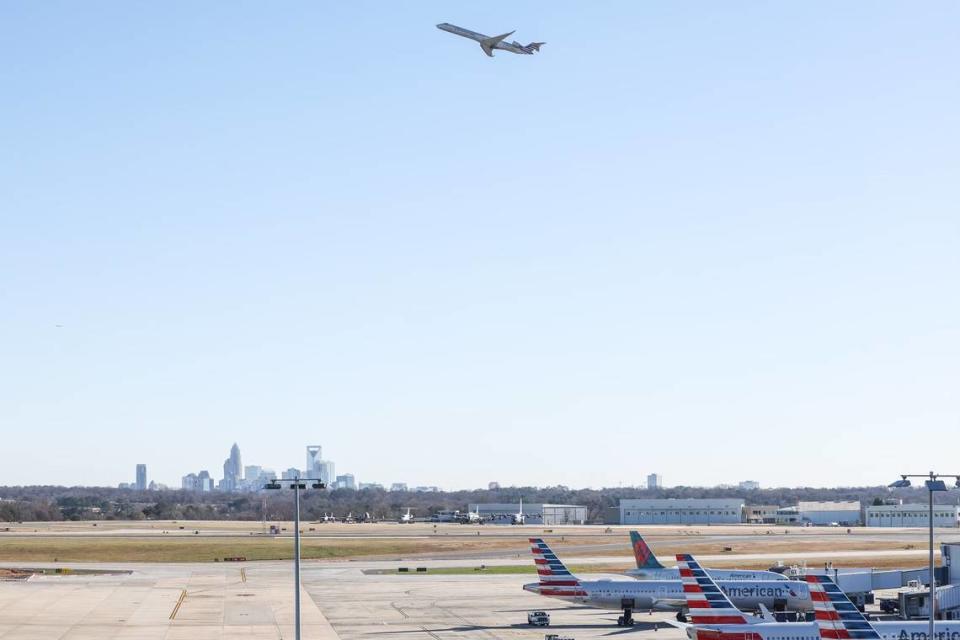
(176,607)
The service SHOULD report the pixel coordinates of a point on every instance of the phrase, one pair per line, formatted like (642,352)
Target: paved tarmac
(254,600)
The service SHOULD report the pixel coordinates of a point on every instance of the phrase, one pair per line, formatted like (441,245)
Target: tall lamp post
(297,485)
(933,483)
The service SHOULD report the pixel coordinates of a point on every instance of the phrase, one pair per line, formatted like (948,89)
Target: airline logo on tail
(837,617)
(707,603)
(643,553)
(555,579)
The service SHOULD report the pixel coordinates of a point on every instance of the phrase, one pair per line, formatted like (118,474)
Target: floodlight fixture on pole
(296,485)
(932,483)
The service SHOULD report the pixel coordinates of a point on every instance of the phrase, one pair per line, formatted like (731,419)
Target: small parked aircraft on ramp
(489,43)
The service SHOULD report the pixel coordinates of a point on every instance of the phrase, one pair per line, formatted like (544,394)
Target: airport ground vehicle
(538,619)
(554,636)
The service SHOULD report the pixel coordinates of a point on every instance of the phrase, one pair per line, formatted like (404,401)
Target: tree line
(48,503)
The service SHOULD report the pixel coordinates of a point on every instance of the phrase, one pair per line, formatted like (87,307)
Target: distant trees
(93,503)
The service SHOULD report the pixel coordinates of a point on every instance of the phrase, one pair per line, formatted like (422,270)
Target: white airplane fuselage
(673,573)
(667,595)
(888,630)
(512,47)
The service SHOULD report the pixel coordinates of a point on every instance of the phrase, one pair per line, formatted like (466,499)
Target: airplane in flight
(489,43)
(556,581)
(649,568)
(714,617)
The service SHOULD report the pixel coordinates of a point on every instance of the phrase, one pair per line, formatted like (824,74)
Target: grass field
(149,541)
(190,549)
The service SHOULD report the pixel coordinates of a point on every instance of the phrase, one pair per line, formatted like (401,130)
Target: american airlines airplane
(714,617)
(649,568)
(489,43)
(653,595)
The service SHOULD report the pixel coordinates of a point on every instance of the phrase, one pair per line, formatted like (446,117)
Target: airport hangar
(545,514)
(681,511)
(847,513)
(709,511)
(912,515)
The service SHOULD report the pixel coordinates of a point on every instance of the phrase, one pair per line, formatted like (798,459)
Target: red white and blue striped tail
(555,579)
(837,617)
(706,602)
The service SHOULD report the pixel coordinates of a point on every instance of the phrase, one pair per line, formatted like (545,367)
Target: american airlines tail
(707,603)
(555,579)
(837,617)
(643,553)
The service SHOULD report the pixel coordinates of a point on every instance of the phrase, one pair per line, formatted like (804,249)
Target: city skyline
(677,221)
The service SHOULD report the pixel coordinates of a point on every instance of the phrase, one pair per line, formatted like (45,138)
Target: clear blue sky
(718,241)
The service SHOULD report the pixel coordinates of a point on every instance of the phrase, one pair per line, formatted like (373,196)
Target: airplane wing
(490,43)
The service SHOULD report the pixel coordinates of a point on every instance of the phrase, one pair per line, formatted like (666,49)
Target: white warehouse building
(845,513)
(913,515)
(681,511)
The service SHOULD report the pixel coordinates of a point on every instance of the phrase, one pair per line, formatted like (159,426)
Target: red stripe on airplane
(698,619)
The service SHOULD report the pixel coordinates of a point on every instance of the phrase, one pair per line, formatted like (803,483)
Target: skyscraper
(654,481)
(327,472)
(141,477)
(314,456)
(232,470)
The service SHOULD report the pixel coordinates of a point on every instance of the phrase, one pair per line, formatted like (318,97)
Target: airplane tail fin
(643,553)
(555,578)
(837,617)
(534,46)
(706,602)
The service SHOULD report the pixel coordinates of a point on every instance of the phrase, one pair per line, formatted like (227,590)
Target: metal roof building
(913,515)
(681,511)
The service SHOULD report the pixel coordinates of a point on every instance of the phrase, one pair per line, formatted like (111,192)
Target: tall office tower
(204,481)
(313,461)
(141,477)
(232,470)
(654,481)
(189,482)
(326,472)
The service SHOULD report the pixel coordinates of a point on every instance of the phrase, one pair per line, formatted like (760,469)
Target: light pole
(297,485)
(933,483)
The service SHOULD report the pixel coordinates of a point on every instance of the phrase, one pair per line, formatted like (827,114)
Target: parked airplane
(489,43)
(407,518)
(649,568)
(472,517)
(328,518)
(714,617)
(556,581)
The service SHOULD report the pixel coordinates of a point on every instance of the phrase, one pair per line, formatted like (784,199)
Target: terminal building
(681,511)
(913,515)
(761,513)
(545,514)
